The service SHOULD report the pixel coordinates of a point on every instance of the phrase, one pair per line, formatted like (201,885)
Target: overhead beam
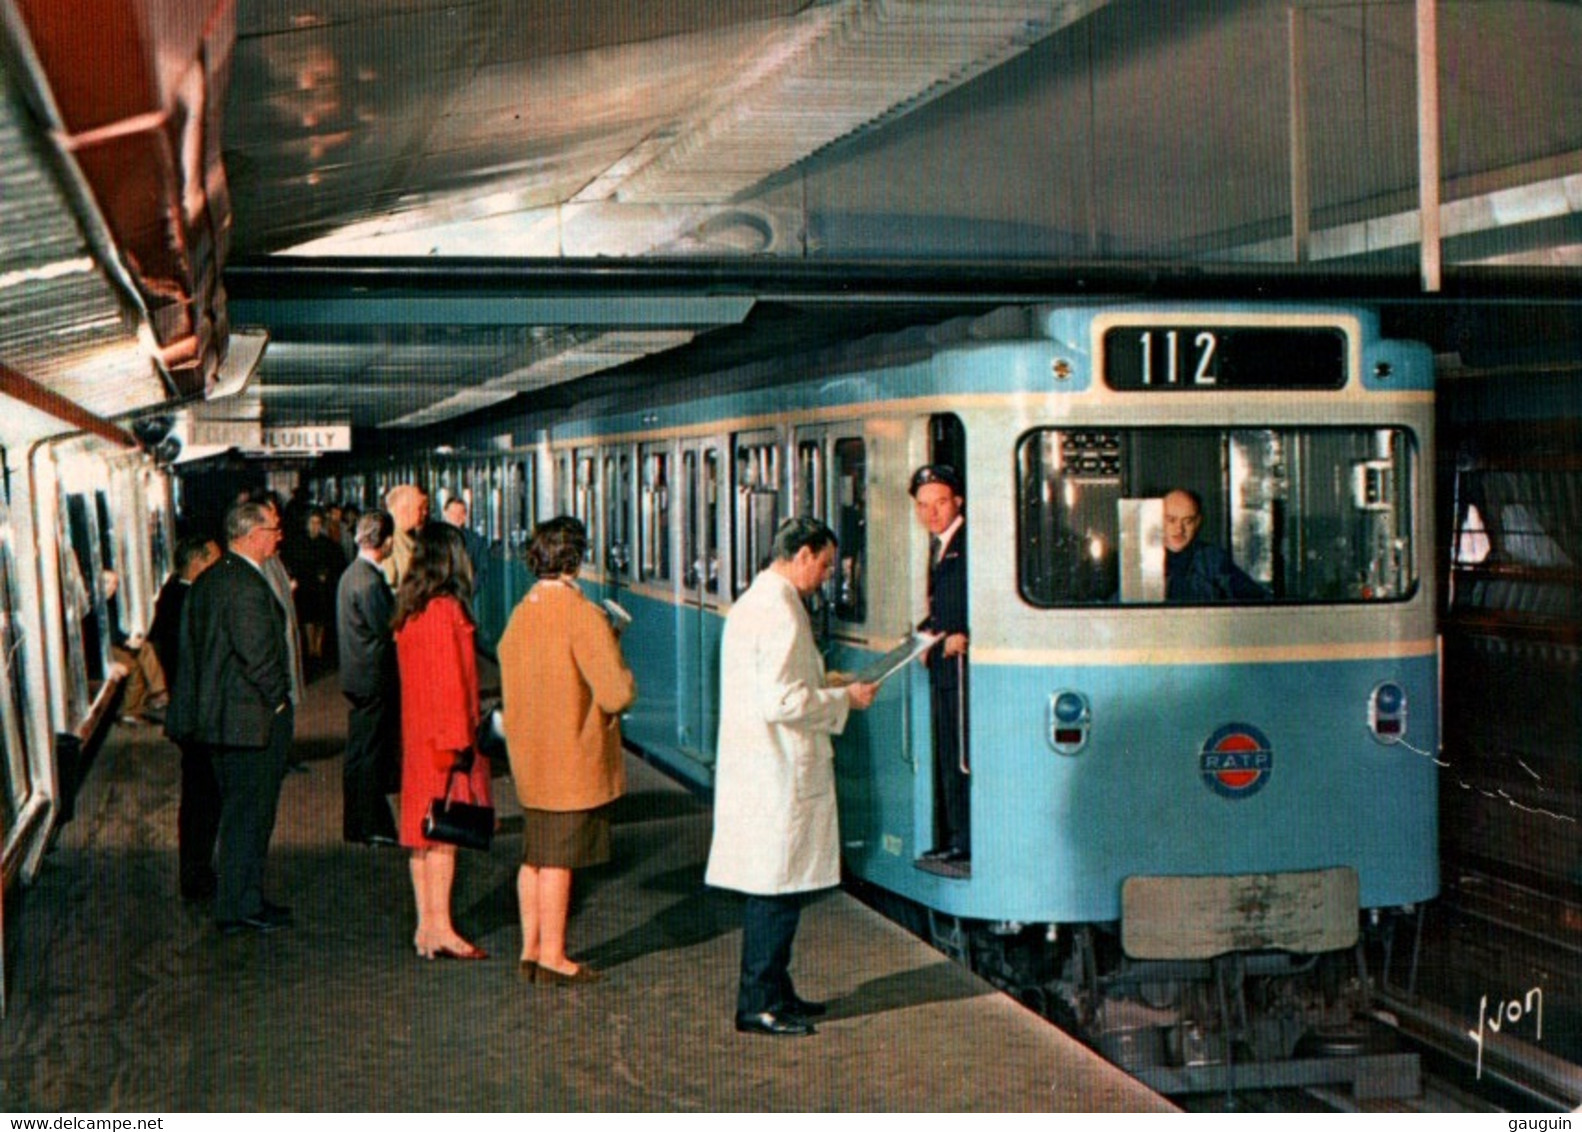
(274,280)
(499,310)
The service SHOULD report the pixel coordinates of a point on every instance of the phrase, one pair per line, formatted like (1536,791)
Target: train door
(654,717)
(699,623)
(942,699)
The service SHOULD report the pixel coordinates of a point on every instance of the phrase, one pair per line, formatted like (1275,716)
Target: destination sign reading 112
(1224,357)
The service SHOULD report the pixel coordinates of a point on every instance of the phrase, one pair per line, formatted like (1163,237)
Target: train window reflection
(1307,515)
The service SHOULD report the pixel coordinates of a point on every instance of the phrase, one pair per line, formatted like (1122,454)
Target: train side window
(1312,515)
(585,499)
(851,528)
(653,530)
(618,525)
(520,491)
(757,511)
(563,483)
(711,520)
(14,701)
(810,497)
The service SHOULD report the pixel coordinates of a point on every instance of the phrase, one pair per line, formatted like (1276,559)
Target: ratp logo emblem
(1236,761)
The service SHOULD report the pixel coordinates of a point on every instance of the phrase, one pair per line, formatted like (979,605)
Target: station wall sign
(306,438)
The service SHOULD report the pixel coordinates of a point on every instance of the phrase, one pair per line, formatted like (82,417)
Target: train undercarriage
(1243,1020)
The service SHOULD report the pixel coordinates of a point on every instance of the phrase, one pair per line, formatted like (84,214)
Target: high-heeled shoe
(549,977)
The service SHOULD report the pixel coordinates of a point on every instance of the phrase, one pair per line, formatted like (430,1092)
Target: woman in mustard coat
(563,684)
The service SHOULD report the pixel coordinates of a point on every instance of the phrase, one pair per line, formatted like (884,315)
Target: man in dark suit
(938,500)
(363,606)
(198,816)
(233,699)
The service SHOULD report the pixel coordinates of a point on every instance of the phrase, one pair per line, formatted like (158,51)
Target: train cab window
(1308,515)
(757,510)
(653,530)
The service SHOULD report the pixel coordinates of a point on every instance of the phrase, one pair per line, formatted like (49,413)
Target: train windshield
(1212,516)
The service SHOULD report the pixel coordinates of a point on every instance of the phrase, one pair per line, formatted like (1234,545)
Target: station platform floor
(124,999)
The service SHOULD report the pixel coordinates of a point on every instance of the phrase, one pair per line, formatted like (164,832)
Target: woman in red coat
(439,717)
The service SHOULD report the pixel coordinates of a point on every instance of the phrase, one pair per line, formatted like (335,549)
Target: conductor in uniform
(776,830)
(938,499)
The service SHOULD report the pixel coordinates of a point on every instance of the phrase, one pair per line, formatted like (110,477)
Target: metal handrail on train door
(906,719)
(961,714)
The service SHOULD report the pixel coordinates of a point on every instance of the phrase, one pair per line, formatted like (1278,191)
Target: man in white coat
(776,833)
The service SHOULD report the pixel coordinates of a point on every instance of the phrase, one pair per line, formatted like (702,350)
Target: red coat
(439,711)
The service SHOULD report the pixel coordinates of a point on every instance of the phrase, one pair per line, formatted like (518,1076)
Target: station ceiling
(437,207)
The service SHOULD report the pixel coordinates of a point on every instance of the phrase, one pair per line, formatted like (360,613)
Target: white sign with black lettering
(307,438)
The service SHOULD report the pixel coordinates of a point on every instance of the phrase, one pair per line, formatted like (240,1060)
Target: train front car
(1202,756)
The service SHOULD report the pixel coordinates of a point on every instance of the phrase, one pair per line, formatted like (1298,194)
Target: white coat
(775,825)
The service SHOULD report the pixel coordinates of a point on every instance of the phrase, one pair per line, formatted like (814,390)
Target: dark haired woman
(564,686)
(439,716)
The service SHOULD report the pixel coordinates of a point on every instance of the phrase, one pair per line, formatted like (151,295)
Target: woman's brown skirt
(570,839)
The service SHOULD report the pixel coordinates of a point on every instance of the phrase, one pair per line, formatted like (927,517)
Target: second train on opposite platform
(1187,815)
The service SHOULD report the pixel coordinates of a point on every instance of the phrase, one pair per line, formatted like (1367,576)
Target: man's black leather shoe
(802,1008)
(378,840)
(774,1025)
(261,923)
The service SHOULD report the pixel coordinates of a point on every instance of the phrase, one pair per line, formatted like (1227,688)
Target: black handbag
(459,823)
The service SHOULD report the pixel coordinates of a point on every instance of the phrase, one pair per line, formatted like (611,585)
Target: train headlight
(1387,712)
(1070,718)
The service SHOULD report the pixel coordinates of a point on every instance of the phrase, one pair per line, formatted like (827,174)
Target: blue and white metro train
(1171,804)
(77,508)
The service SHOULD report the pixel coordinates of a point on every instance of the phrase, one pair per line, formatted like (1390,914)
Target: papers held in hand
(897,658)
(619,618)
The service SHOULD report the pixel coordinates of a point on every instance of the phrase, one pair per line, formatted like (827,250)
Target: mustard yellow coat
(563,684)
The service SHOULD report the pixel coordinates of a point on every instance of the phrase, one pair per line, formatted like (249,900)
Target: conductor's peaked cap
(936,473)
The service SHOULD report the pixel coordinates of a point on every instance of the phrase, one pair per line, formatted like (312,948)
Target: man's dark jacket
(363,607)
(233,675)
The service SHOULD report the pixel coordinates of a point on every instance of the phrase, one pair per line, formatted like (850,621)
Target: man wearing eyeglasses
(233,700)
